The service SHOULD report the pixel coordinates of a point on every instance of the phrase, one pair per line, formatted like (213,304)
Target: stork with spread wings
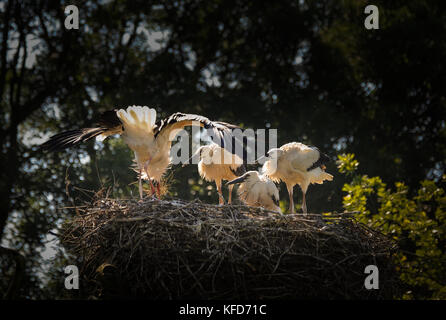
(150,141)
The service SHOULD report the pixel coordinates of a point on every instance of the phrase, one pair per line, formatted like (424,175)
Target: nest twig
(173,249)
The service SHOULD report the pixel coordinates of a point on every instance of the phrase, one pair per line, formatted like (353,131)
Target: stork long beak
(260,159)
(237,180)
(191,159)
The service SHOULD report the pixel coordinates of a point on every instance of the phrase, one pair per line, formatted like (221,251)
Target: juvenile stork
(295,163)
(150,141)
(217,164)
(258,191)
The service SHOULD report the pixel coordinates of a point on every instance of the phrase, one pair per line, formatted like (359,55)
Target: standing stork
(296,163)
(150,141)
(217,164)
(258,191)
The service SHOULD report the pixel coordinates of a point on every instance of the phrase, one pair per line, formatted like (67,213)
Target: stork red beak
(323,167)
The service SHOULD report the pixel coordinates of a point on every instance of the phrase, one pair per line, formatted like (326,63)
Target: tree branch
(4,50)
(16,281)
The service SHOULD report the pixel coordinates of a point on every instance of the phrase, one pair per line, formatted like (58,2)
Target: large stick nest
(174,249)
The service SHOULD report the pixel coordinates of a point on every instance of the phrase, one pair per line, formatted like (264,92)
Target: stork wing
(241,170)
(222,131)
(323,159)
(303,158)
(108,124)
(275,200)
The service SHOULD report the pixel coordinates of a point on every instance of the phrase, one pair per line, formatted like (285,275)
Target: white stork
(150,141)
(258,191)
(217,164)
(295,163)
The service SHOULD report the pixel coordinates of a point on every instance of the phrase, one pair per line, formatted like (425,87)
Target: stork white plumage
(150,141)
(257,190)
(217,164)
(296,163)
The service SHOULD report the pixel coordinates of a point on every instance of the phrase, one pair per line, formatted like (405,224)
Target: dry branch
(173,249)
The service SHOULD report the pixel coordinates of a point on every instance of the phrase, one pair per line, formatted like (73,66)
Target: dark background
(308,68)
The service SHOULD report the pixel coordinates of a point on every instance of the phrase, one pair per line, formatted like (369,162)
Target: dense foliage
(417,223)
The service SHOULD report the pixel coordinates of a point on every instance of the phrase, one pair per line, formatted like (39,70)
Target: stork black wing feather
(109,119)
(178,116)
(275,200)
(221,130)
(241,170)
(323,159)
(227,125)
(71,138)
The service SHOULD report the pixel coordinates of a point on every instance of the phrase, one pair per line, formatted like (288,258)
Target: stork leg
(304,203)
(140,183)
(158,190)
(221,199)
(152,187)
(230,193)
(146,165)
(290,193)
